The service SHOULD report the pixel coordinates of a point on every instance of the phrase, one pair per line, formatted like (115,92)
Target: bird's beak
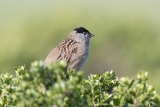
(92,35)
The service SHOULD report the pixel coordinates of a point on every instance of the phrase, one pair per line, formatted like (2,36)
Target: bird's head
(81,34)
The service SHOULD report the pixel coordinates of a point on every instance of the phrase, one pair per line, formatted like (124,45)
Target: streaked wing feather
(63,51)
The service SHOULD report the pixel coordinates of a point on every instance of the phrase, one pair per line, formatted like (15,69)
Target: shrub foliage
(54,86)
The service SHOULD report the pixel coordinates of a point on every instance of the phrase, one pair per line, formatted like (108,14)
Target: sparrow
(74,49)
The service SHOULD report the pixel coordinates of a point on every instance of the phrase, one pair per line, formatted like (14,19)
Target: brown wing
(63,51)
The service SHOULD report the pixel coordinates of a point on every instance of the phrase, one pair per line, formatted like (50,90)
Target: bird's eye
(84,33)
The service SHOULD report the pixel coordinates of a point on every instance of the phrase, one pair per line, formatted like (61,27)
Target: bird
(74,49)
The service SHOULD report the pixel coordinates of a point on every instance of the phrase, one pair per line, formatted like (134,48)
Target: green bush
(54,86)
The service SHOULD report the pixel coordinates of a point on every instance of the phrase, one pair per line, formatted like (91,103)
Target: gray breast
(79,59)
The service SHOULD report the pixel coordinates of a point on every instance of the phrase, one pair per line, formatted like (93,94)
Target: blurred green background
(127,34)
